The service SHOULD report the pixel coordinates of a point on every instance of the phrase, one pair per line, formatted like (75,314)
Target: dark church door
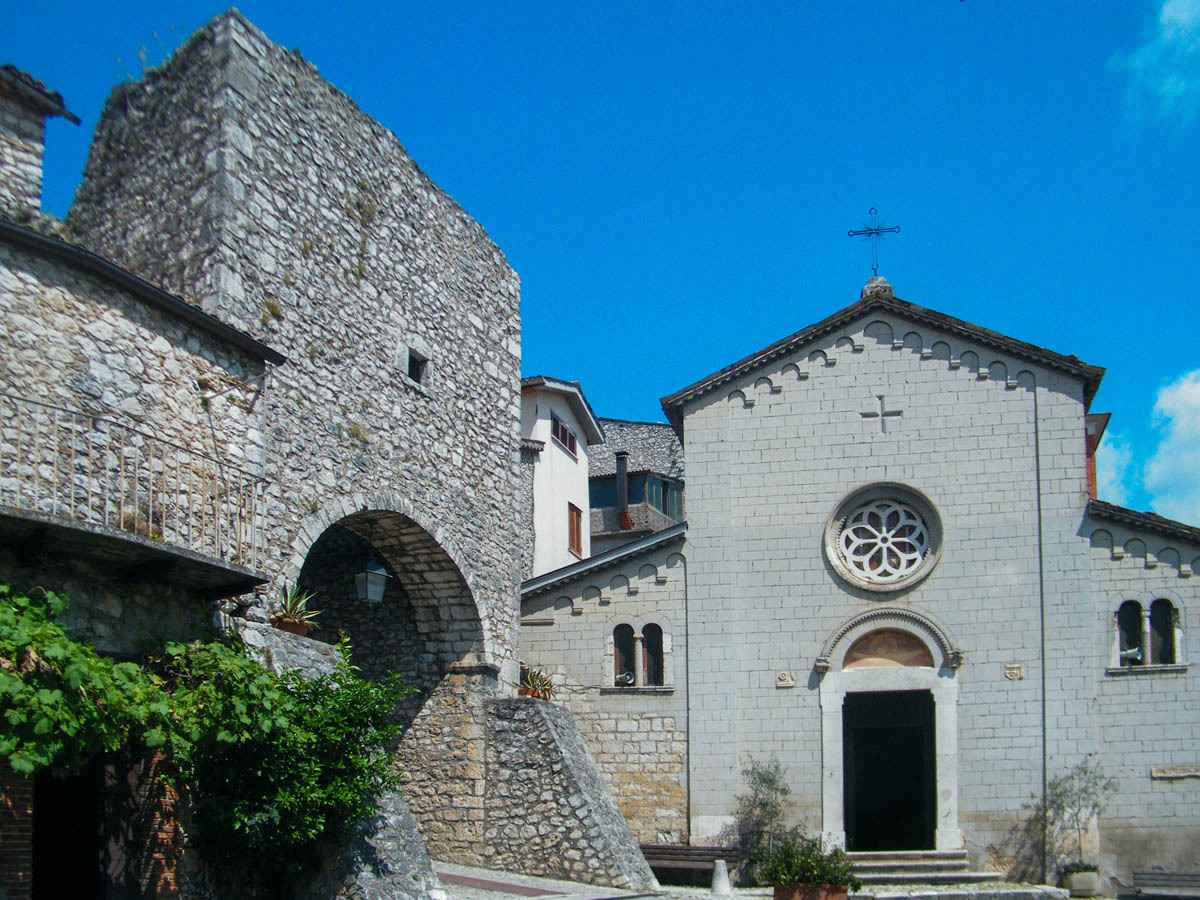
(888,770)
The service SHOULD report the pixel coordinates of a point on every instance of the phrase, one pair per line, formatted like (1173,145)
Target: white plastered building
(557,427)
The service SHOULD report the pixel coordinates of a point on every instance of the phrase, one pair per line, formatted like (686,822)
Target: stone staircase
(918,867)
(937,875)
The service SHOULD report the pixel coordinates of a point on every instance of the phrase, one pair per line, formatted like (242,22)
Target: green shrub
(61,703)
(274,763)
(270,764)
(795,858)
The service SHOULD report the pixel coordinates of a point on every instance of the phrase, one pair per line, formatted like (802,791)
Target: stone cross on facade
(882,414)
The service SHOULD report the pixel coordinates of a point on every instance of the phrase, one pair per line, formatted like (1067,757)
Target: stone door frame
(942,682)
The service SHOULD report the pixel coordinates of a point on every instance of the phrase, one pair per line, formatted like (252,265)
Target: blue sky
(674,182)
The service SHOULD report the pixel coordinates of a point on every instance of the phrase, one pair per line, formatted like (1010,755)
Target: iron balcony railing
(99,470)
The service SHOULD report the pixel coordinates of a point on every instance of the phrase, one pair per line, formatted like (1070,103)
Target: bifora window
(1147,637)
(638,658)
(884,537)
(561,433)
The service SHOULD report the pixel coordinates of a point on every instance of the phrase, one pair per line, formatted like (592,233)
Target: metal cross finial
(873,233)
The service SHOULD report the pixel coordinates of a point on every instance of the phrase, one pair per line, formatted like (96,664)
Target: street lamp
(371,582)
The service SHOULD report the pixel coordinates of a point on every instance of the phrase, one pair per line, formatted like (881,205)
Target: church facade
(895,578)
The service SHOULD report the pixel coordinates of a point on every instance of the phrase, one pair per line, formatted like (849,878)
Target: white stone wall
(768,458)
(638,735)
(559,478)
(1147,716)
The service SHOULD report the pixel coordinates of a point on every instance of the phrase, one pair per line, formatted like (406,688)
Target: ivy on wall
(270,764)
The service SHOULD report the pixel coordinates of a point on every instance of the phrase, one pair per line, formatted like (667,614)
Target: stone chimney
(25,104)
(622,457)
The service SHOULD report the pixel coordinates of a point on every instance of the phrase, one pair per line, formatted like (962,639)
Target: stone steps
(913,868)
(992,890)
(917,879)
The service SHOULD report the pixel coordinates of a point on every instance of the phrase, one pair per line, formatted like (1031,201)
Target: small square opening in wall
(417,365)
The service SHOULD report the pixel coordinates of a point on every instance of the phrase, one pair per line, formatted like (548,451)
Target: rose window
(884,541)
(883,537)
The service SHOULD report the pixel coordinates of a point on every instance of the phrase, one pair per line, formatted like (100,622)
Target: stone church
(894,577)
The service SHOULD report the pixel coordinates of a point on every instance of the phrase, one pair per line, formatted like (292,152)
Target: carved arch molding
(890,617)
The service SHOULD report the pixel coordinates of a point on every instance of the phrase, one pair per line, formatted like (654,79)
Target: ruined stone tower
(235,176)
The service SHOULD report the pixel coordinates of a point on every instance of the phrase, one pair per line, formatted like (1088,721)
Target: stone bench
(1167,884)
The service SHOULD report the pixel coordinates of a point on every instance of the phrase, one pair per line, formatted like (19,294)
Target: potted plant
(292,613)
(800,867)
(535,684)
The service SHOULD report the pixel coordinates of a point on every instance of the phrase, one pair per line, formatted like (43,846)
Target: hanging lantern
(372,581)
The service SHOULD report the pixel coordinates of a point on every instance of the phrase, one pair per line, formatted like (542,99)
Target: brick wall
(16,834)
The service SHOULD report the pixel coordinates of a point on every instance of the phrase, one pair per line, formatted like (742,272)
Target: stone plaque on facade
(1186,770)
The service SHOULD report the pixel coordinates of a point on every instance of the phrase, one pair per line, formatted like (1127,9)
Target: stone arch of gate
(941,682)
(430,543)
(429,627)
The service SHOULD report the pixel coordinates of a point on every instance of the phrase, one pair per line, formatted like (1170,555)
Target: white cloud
(1113,458)
(1172,475)
(1165,70)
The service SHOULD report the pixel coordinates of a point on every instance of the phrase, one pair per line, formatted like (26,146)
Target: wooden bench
(681,856)
(1167,884)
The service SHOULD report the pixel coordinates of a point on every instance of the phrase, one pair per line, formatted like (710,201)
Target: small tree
(761,811)
(1073,799)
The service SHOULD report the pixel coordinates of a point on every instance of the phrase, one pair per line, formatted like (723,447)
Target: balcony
(96,486)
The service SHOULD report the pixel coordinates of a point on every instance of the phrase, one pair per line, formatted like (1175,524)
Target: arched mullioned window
(652,648)
(623,655)
(1129,626)
(1162,633)
(1148,635)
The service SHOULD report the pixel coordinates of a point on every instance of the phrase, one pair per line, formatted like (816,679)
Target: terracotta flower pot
(291,626)
(811,892)
(524,692)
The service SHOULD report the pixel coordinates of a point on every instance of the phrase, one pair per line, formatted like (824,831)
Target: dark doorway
(67,848)
(888,770)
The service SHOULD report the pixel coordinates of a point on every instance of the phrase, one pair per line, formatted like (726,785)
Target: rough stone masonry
(236,177)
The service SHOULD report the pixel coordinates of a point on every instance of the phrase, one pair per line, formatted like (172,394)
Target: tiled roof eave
(1099,509)
(600,561)
(1090,375)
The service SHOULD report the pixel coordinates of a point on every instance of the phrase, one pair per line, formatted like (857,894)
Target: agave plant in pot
(535,684)
(800,867)
(292,614)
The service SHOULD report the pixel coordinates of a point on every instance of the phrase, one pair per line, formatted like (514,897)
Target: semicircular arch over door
(889,734)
